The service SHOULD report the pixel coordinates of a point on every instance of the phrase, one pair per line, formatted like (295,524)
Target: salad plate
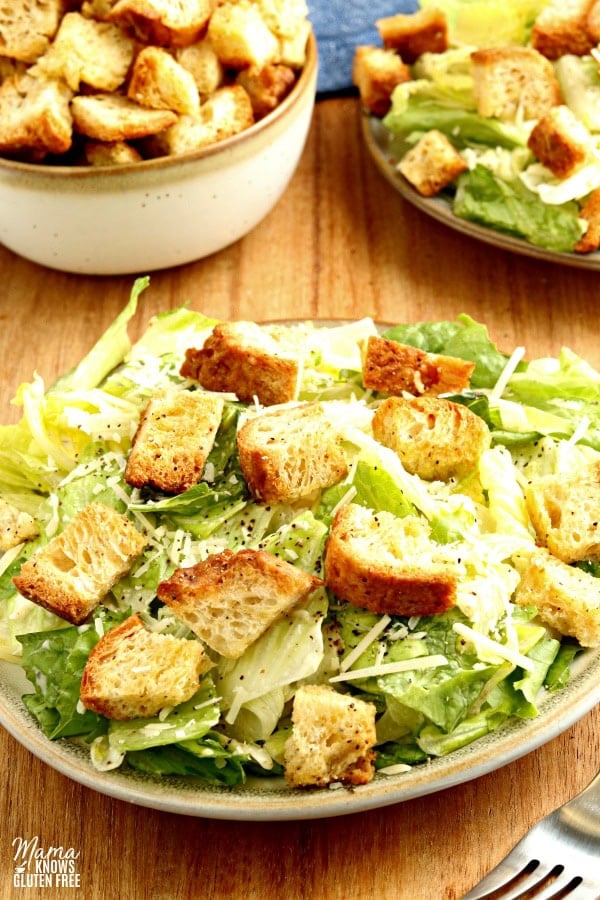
(379,142)
(256,798)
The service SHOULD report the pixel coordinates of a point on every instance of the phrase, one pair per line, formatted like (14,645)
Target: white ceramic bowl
(157,213)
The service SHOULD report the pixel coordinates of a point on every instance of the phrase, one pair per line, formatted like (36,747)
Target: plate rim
(275,802)
(376,135)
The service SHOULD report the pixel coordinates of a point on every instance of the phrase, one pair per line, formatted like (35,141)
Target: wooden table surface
(340,243)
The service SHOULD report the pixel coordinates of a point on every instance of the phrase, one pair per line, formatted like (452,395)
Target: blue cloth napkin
(340,26)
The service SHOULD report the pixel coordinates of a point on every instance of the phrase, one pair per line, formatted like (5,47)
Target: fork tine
(544,881)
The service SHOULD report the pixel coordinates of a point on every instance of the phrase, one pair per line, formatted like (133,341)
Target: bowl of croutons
(138,135)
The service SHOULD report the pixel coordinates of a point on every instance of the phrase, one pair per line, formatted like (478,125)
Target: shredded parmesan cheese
(403,665)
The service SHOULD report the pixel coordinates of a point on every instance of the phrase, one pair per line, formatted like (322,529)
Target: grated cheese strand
(403,665)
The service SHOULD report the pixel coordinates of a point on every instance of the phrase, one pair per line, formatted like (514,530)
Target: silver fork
(558,858)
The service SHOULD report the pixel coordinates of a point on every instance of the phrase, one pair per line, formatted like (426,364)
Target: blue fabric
(340,26)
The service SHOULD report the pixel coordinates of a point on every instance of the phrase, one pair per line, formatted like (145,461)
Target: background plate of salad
(199,758)
(506,197)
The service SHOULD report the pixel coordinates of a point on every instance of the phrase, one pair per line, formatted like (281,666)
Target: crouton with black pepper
(514,81)
(72,574)
(565,513)
(290,454)
(434,438)
(412,34)
(247,360)
(133,672)
(432,164)
(230,599)
(566,598)
(376,72)
(332,739)
(398,369)
(388,565)
(176,433)
(560,141)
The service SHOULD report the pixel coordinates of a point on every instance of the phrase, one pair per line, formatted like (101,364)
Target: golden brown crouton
(512,81)
(97,54)
(159,82)
(133,672)
(35,115)
(434,438)
(15,526)
(566,598)
(376,72)
(243,358)
(560,141)
(290,454)
(266,86)
(590,213)
(73,573)
(410,35)
(224,114)
(203,63)
(565,513)
(332,739)
(432,164)
(230,599)
(172,23)
(111,117)
(109,153)
(561,27)
(26,27)
(241,37)
(171,445)
(396,368)
(388,565)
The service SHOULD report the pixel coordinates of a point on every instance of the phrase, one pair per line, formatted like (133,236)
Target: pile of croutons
(106,82)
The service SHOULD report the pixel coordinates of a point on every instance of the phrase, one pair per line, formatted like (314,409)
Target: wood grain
(340,243)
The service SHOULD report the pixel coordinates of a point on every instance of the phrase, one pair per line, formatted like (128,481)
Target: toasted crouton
(388,565)
(396,368)
(230,599)
(111,117)
(133,672)
(376,72)
(159,82)
(26,27)
(590,213)
(176,433)
(566,598)
(565,513)
(561,27)
(512,81)
(432,164)
(560,141)
(110,153)
(226,112)
(97,54)
(203,63)
(241,37)
(73,573)
(410,35)
(172,23)
(266,86)
(290,454)
(292,48)
(15,526)
(332,738)
(245,359)
(434,438)
(35,115)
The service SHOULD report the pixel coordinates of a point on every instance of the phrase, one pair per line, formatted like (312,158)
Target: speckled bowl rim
(306,81)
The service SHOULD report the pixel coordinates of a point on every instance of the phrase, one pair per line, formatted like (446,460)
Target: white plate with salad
(506,197)
(479,712)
